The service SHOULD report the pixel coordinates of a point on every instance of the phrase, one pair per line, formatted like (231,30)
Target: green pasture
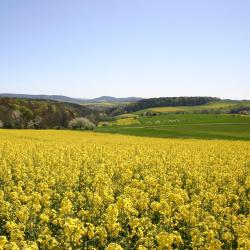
(200,126)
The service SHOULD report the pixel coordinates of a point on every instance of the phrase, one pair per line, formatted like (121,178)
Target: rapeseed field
(84,190)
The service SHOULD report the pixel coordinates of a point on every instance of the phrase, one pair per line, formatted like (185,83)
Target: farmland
(213,106)
(125,125)
(201,126)
(85,190)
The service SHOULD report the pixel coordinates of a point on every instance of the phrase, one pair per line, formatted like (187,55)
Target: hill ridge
(64,98)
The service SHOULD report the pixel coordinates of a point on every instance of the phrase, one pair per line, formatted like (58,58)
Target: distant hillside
(163,102)
(32,113)
(222,106)
(62,98)
(115,99)
(59,98)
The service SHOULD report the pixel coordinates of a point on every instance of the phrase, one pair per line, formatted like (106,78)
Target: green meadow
(200,126)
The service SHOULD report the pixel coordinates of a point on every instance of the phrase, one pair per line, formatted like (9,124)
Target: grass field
(198,108)
(202,126)
(85,190)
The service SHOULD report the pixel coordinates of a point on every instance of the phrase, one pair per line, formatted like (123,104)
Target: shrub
(81,123)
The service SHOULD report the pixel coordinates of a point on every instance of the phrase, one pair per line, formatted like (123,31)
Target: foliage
(221,107)
(148,107)
(75,190)
(36,123)
(30,113)
(81,123)
(241,109)
(210,107)
(162,102)
(174,101)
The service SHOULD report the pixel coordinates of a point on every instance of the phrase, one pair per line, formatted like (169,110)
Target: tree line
(162,102)
(42,114)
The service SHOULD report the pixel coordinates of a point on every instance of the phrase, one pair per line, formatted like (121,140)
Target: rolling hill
(33,113)
(219,106)
(62,98)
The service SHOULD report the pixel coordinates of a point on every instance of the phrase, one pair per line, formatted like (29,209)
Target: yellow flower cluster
(84,190)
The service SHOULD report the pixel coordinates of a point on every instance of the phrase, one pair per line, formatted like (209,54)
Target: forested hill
(164,102)
(31,113)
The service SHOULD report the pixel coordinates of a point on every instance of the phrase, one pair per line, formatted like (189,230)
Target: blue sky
(147,48)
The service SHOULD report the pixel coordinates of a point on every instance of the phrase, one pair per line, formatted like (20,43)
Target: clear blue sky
(147,48)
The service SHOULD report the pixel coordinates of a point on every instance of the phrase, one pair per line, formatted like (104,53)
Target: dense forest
(162,102)
(30,113)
